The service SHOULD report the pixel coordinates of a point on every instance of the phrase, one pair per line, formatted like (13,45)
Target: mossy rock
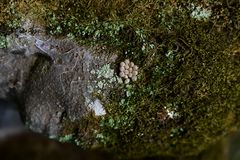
(188,93)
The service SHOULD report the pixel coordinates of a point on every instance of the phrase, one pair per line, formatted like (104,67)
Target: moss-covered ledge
(187,93)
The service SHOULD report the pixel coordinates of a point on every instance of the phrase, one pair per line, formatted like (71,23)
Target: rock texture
(15,68)
(56,78)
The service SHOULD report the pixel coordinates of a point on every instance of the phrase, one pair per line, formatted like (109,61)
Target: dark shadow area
(41,66)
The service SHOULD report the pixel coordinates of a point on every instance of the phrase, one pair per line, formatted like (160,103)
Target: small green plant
(67,138)
(3,42)
(14,21)
(200,13)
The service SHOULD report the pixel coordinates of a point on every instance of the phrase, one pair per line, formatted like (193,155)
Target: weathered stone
(59,81)
(15,68)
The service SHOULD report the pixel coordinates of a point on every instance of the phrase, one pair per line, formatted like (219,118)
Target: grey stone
(14,72)
(54,85)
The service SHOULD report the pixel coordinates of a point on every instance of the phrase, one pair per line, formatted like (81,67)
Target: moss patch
(187,53)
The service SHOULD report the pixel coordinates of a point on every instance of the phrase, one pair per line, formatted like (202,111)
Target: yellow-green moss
(187,64)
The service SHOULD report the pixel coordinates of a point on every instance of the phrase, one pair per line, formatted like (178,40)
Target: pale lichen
(105,71)
(200,13)
(97,107)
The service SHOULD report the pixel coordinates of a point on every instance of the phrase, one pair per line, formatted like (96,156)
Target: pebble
(135,73)
(125,77)
(127,81)
(126,66)
(128,70)
(130,75)
(122,64)
(135,68)
(122,74)
(122,69)
(131,64)
(127,61)
(134,78)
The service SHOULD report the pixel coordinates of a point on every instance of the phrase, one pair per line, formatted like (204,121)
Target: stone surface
(15,68)
(10,120)
(56,78)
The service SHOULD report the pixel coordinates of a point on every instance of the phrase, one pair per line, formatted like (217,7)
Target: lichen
(97,107)
(200,13)
(105,71)
(66,138)
(3,42)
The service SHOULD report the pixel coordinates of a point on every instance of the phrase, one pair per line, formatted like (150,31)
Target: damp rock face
(61,79)
(65,89)
(15,68)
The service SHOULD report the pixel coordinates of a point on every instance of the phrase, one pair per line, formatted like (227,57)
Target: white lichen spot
(171,113)
(93,71)
(119,80)
(200,13)
(70,36)
(90,89)
(113,79)
(105,71)
(100,84)
(97,107)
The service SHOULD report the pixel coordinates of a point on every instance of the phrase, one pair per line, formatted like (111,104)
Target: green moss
(105,71)
(186,67)
(3,42)
(81,132)
(189,64)
(10,18)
